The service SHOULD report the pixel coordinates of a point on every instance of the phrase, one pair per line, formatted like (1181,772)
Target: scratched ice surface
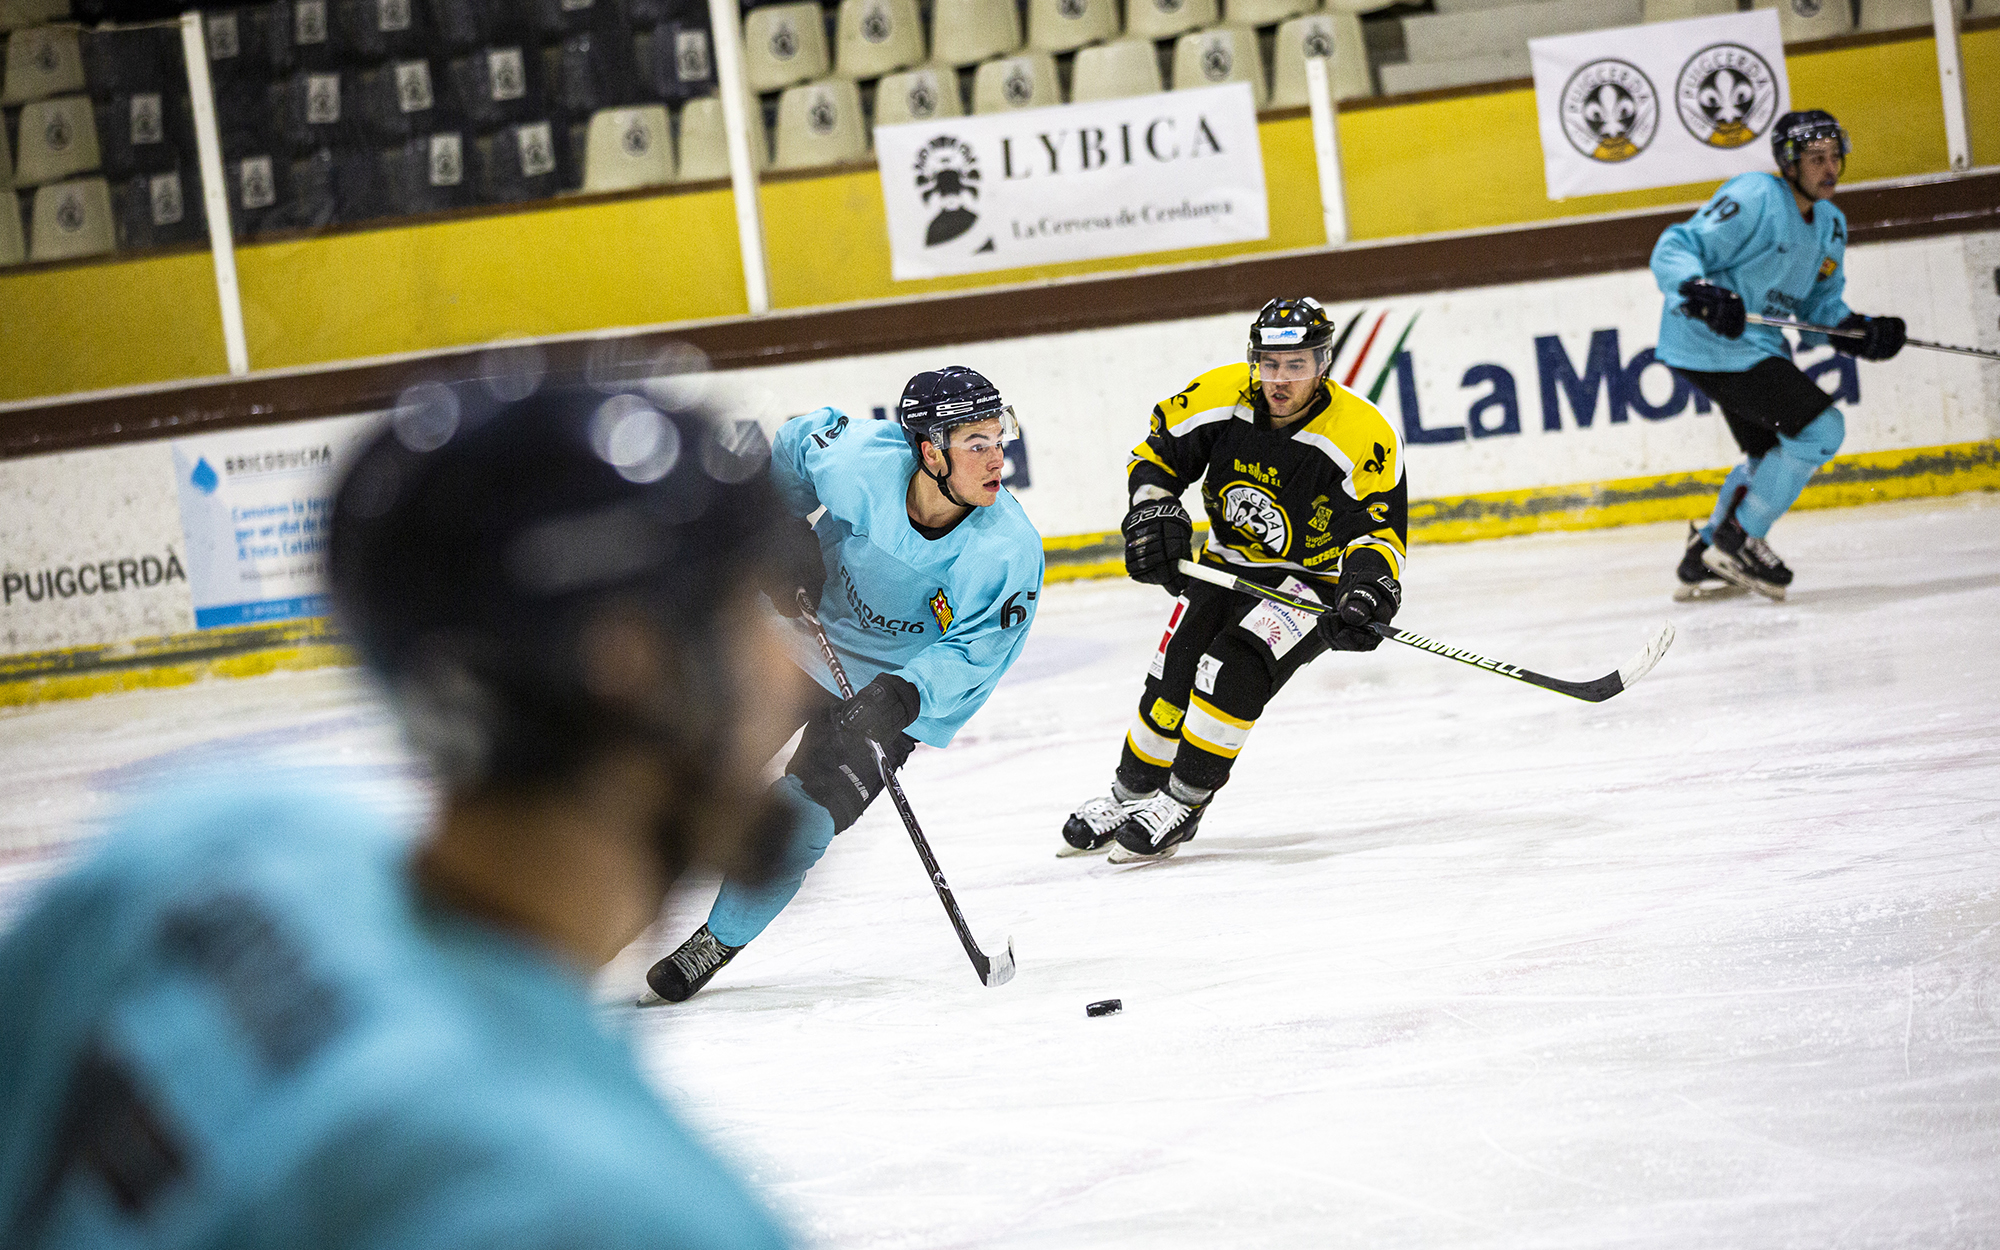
(1454,961)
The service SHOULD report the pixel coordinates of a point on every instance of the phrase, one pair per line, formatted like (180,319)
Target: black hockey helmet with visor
(1795,132)
(1287,326)
(949,408)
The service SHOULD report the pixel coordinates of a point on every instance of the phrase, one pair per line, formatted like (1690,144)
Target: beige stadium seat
(58,140)
(877,37)
(15,14)
(627,148)
(41,62)
(820,123)
(1163,19)
(1675,10)
(1894,14)
(784,44)
(1465,71)
(1984,8)
(1209,58)
(917,95)
(1065,25)
(1823,19)
(13,249)
(1265,12)
(964,32)
(72,219)
(704,150)
(1335,35)
(1110,71)
(1490,32)
(1027,81)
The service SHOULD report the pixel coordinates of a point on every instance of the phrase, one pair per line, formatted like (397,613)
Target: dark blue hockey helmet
(936,400)
(1288,325)
(1794,132)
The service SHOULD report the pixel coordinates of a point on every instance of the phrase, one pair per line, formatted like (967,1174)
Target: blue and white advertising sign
(254,508)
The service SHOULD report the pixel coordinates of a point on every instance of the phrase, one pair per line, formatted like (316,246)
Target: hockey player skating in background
(926,571)
(1303,483)
(1778,245)
(261,1017)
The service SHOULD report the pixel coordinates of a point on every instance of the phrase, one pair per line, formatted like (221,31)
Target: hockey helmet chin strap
(942,479)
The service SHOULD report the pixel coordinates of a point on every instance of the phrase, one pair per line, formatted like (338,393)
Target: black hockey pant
(1223,657)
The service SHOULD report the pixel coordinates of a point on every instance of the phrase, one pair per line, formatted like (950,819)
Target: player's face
(1288,379)
(978,458)
(1819,168)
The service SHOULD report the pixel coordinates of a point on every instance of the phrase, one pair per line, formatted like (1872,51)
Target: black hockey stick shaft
(991,971)
(1784,323)
(1596,690)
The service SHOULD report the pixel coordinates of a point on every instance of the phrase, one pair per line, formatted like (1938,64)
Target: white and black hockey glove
(1882,337)
(1367,593)
(1158,536)
(1720,308)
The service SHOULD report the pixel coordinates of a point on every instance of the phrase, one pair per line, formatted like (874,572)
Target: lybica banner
(1112,178)
(1659,105)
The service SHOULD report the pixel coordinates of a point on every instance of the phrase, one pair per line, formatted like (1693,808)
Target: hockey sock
(1733,488)
(1151,745)
(742,911)
(1784,473)
(1125,794)
(1181,792)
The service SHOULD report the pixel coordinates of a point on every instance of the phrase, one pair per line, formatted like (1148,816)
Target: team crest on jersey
(1726,95)
(941,609)
(1251,510)
(1610,111)
(1827,267)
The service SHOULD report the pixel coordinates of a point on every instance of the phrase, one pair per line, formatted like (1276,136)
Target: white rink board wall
(79,529)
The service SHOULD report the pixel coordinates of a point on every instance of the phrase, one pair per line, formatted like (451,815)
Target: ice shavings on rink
(1453,961)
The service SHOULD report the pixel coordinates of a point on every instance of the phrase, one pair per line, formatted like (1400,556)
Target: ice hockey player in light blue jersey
(925,571)
(264,1018)
(1779,246)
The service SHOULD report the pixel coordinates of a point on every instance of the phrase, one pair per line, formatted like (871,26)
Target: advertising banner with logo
(254,506)
(1078,182)
(1659,105)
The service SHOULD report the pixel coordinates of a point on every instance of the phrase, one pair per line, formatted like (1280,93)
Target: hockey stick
(991,971)
(1782,323)
(1596,691)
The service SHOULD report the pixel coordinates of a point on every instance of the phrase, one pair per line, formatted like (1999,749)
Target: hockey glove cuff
(881,710)
(837,767)
(1720,308)
(1883,337)
(796,564)
(1158,535)
(1367,593)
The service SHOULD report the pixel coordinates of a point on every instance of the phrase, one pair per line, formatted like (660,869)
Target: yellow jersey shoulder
(1354,431)
(1218,389)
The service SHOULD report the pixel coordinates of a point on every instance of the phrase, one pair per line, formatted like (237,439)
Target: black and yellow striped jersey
(1296,499)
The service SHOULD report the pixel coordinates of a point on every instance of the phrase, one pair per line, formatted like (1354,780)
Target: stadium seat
(426,174)
(57,139)
(1209,58)
(1462,71)
(16,14)
(41,62)
(1109,71)
(1894,14)
(917,95)
(462,25)
(1264,12)
(1164,19)
(1494,32)
(1827,18)
(143,134)
(627,148)
(311,109)
(681,61)
(1065,25)
(591,70)
(785,44)
(1676,10)
(125,61)
(557,19)
(964,32)
(316,40)
(400,99)
(258,184)
(1027,81)
(704,150)
(498,86)
(1983,8)
(516,163)
(13,248)
(374,30)
(72,219)
(1336,35)
(877,37)
(158,210)
(252,42)
(820,123)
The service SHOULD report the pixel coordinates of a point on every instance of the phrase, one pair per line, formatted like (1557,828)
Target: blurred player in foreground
(260,1018)
(1777,244)
(924,571)
(1303,483)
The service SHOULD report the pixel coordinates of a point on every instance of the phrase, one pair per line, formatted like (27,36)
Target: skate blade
(1119,855)
(650,999)
(1684,593)
(1066,851)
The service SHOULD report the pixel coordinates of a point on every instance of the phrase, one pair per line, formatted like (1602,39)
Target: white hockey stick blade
(1649,655)
(1000,970)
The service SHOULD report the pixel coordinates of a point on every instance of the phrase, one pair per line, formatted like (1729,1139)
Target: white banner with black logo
(1113,178)
(1659,105)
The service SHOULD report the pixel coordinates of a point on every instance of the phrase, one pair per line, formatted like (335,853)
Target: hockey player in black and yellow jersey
(1302,480)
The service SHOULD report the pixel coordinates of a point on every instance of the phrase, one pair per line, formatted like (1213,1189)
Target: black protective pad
(1772,397)
(837,768)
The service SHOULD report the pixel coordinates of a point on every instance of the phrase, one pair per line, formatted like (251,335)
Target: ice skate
(680,975)
(1694,579)
(1090,828)
(1156,829)
(1747,561)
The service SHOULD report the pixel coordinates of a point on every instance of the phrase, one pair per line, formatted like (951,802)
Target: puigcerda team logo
(1610,111)
(1251,510)
(948,173)
(1726,95)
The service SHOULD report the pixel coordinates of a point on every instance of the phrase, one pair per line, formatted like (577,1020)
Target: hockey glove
(1158,535)
(1719,307)
(1883,337)
(836,766)
(1366,593)
(881,709)
(796,564)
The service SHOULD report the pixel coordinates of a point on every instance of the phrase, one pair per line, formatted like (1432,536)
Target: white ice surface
(1454,961)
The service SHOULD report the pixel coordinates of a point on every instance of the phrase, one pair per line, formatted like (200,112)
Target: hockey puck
(1107,1007)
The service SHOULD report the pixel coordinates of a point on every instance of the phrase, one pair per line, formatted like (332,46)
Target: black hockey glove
(1158,535)
(1721,308)
(881,709)
(1884,337)
(835,762)
(1366,592)
(796,564)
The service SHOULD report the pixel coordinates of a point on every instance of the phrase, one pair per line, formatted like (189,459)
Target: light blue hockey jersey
(1750,238)
(241,1026)
(948,614)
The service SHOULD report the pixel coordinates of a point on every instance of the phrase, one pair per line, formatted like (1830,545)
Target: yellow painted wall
(118,323)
